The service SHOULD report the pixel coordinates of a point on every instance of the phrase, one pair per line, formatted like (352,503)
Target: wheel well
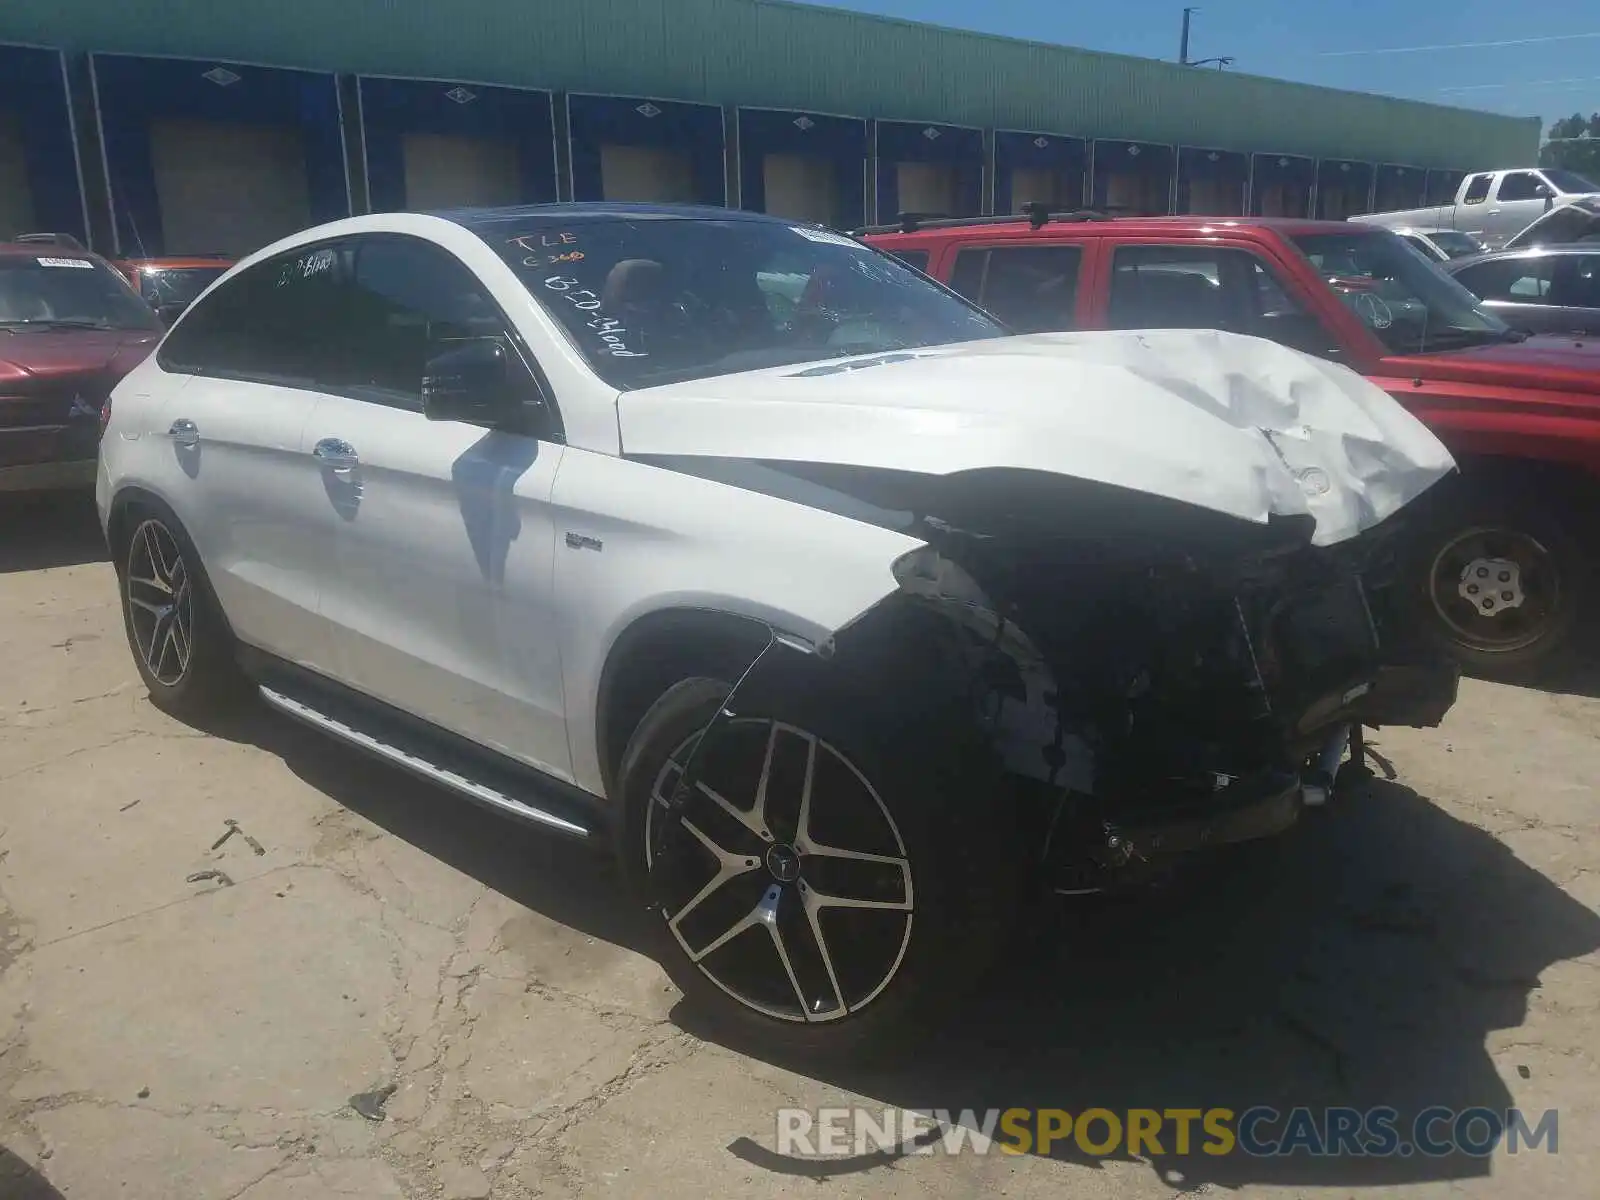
(656,652)
(125,503)
(1566,480)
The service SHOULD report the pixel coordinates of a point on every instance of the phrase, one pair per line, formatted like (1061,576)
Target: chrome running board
(456,782)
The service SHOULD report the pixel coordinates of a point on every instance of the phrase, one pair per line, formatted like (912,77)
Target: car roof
(180,262)
(475,218)
(1559,248)
(990,226)
(44,250)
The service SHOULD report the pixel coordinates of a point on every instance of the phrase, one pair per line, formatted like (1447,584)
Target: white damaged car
(845,616)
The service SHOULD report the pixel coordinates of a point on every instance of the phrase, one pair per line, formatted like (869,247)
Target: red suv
(1503,556)
(70,329)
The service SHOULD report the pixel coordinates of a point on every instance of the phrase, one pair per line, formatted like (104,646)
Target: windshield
(657,299)
(68,293)
(175,285)
(1405,299)
(1567,181)
(1456,244)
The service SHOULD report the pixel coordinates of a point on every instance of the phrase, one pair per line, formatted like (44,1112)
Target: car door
(241,477)
(1517,289)
(1575,291)
(439,598)
(1518,200)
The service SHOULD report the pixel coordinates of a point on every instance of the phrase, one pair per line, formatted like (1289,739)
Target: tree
(1574,144)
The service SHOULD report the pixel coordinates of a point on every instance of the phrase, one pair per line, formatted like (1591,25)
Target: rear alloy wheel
(822,887)
(160,597)
(1503,587)
(180,640)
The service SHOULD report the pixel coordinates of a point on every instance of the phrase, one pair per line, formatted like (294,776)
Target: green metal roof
(786,55)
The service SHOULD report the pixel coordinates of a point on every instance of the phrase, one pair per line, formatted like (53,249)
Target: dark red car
(1503,556)
(70,329)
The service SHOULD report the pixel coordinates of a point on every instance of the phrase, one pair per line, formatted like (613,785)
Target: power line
(1533,41)
(1520,83)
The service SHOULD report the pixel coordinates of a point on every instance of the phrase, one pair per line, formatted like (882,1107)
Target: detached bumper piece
(1417,694)
(1253,807)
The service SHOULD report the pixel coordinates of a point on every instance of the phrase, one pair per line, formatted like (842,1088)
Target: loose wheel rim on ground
(160,596)
(781,874)
(1495,589)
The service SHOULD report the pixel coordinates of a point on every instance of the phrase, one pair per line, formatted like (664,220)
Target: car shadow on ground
(50,529)
(19,1181)
(1362,960)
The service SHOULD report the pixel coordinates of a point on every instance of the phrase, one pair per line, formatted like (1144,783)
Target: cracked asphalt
(224,952)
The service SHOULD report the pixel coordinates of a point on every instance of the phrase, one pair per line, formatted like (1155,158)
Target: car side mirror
(469,380)
(1544,193)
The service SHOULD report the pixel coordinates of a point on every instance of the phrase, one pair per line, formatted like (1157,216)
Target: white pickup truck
(1494,206)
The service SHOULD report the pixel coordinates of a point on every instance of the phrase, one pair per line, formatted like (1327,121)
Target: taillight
(105,415)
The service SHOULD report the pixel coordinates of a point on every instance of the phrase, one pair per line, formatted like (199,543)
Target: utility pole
(1183,45)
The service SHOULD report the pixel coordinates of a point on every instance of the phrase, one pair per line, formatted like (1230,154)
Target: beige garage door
(1284,200)
(929,188)
(801,188)
(449,172)
(1137,195)
(647,174)
(16,198)
(1216,198)
(227,188)
(1054,188)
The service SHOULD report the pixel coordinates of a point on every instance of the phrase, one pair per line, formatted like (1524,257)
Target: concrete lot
(181,1020)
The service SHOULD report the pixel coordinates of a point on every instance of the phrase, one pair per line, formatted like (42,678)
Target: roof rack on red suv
(1034,212)
(64,240)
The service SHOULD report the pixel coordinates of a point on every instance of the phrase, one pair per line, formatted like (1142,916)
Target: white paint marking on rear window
(827,237)
(67,262)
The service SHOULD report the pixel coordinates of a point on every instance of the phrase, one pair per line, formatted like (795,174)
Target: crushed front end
(1153,694)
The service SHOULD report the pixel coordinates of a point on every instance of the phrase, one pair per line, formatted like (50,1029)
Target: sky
(1545,61)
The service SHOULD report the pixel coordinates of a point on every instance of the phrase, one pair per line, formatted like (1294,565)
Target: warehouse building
(187,126)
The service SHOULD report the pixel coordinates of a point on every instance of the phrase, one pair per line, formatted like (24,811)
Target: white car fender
(700,543)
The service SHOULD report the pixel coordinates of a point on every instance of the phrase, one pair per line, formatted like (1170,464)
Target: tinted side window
(917,259)
(1477,189)
(1519,185)
(1209,287)
(275,322)
(1577,281)
(1033,289)
(405,295)
(1520,280)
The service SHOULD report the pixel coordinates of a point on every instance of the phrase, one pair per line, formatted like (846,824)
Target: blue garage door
(437,144)
(41,189)
(1133,179)
(204,156)
(1399,186)
(1344,188)
(1041,167)
(928,169)
(1281,185)
(806,166)
(1213,183)
(636,148)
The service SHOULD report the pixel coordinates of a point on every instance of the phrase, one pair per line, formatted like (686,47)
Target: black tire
(1553,579)
(193,672)
(958,836)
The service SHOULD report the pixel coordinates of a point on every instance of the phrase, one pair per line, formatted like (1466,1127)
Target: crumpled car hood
(1571,222)
(1237,425)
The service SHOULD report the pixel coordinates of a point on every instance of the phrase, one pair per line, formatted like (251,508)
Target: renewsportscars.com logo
(829,1133)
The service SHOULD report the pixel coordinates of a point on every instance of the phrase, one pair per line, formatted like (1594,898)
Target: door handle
(336,453)
(184,432)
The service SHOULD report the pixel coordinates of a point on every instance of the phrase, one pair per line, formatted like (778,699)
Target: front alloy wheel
(780,872)
(160,598)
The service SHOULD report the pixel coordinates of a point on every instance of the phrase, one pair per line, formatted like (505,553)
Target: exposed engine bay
(1169,681)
